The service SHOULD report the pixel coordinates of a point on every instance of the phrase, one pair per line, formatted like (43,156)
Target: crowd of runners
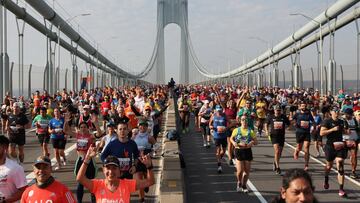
(121,126)
(234,117)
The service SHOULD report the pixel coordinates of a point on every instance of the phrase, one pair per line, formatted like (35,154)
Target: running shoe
(57,168)
(278,171)
(342,193)
(208,145)
(219,169)
(306,168)
(326,185)
(64,161)
(205,145)
(146,190)
(353,175)
(231,163)
(238,188)
(245,190)
(183,131)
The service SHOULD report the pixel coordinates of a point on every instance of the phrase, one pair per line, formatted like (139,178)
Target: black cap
(143,121)
(42,160)
(112,160)
(43,108)
(335,108)
(110,124)
(348,111)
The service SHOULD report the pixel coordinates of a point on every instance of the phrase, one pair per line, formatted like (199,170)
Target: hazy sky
(219,29)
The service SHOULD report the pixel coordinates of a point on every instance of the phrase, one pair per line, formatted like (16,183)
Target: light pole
(59,28)
(321,48)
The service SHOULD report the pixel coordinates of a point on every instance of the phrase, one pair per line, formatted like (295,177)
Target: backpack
(172,135)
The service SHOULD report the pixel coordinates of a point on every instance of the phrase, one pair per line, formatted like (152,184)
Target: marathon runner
(333,128)
(16,125)
(351,140)
(243,138)
(41,122)
(275,130)
(218,124)
(59,129)
(205,114)
(302,122)
(144,143)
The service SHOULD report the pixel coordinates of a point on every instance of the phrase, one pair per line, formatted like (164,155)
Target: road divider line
(250,185)
(323,164)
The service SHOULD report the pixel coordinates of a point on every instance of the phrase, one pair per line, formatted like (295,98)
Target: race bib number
(304,124)
(124,164)
(220,129)
(14,128)
(43,126)
(82,143)
(278,125)
(58,130)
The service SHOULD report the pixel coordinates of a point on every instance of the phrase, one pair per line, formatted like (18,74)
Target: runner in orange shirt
(113,189)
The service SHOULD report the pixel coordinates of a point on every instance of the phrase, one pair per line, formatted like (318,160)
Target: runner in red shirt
(46,188)
(105,108)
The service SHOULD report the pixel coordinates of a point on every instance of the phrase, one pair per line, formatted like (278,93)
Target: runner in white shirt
(12,176)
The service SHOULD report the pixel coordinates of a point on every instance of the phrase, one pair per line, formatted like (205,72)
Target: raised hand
(91,151)
(146,160)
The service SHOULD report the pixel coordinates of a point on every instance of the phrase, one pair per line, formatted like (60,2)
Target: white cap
(206,101)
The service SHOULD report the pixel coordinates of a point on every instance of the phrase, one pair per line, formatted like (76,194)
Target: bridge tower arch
(172,11)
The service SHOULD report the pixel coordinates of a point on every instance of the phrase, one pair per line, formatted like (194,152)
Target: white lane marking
(31,175)
(256,192)
(323,164)
(252,187)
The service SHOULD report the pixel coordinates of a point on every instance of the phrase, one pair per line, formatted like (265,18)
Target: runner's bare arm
(81,178)
(140,184)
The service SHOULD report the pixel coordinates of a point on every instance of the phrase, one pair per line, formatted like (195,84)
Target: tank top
(83,142)
(219,124)
(142,141)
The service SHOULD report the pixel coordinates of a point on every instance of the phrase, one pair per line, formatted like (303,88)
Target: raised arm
(140,184)
(81,178)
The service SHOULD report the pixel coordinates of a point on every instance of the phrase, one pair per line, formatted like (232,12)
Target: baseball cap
(335,108)
(111,160)
(147,107)
(206,101)
(86,107)
(110,124)
(348,111)
(218,108)
(277,107)
(142,122)
(43,108)
(42,160)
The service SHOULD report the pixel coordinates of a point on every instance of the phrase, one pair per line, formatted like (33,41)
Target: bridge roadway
(204,184)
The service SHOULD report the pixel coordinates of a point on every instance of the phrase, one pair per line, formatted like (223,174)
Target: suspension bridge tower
(172,11)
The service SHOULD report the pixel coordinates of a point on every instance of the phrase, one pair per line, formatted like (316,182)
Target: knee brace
(341,168)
